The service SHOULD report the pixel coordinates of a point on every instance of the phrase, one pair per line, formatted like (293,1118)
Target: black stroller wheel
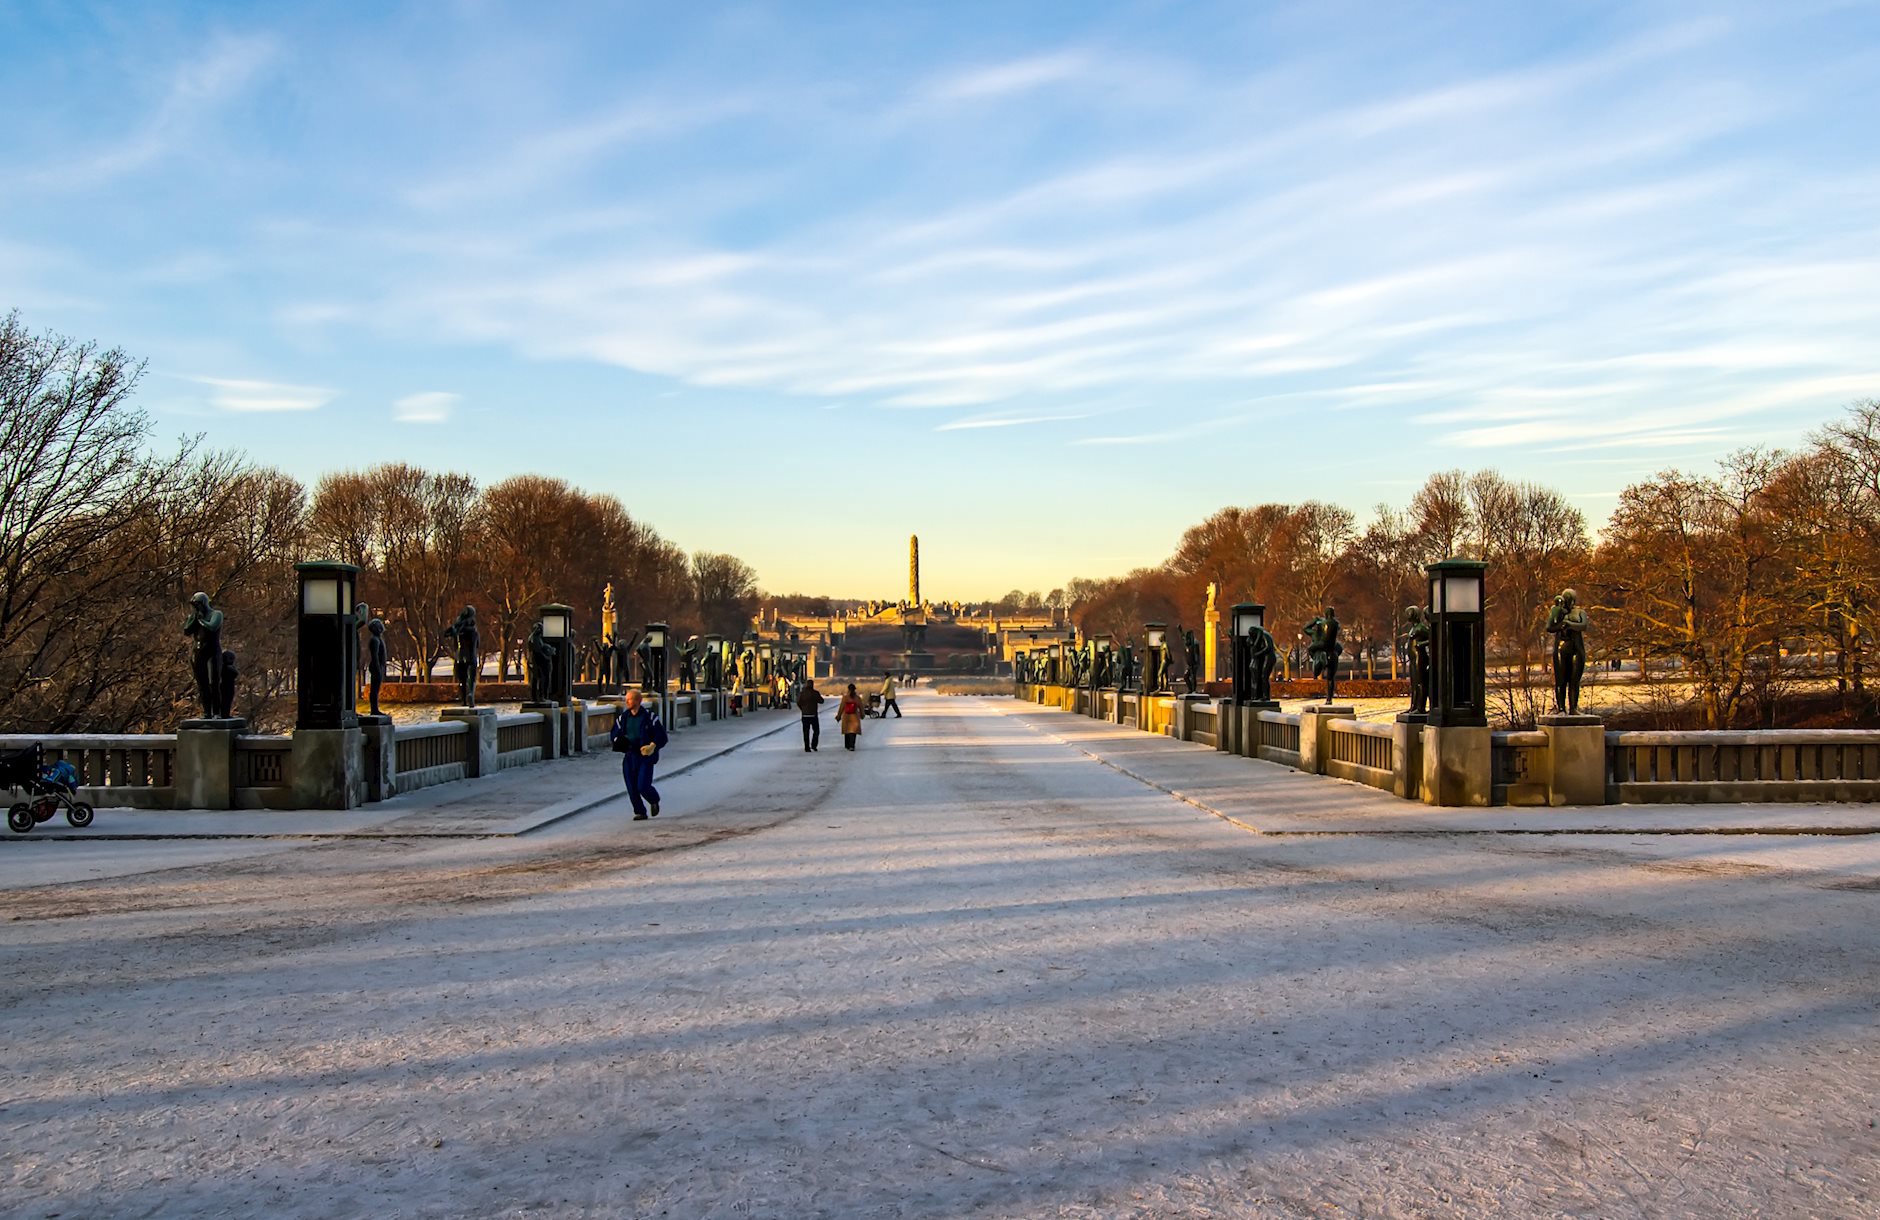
(20,818)
(79,815)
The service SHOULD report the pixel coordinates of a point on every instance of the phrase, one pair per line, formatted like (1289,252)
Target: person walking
(809,701)
(638,737)
(887,695)
(849,716)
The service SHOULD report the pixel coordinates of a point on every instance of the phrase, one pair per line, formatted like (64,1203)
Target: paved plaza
(1001,961)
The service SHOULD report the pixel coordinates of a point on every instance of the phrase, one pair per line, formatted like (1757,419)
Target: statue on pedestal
(1416,638)
(623,661)
(1127,675)
(204,625)
(541,666)
(1323,650)
(1191,651)
(375,661)
(688,665)
(466,661)
(1262,659)
(225,696)
(1567,623)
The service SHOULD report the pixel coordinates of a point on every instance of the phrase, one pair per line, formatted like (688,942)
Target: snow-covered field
(966,971)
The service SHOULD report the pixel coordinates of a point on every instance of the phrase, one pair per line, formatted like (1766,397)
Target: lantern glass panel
(554,627)
(320,595)
(656,638)
(1156,635)
(1462,593)
(1436,595)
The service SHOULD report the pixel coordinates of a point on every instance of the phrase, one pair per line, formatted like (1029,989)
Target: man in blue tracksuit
(638,737)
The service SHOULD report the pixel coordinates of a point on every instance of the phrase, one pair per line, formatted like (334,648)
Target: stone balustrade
(377,760)
(1567,761)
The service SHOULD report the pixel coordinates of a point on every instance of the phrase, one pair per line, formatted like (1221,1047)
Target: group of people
(639,735)
(850,711)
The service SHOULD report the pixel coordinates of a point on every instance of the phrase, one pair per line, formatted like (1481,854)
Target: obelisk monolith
(913,569)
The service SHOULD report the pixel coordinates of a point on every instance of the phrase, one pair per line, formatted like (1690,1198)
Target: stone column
(1458,765)
(329,768)
(1315,734)
(574,728)
(552,742)
(1576,750)
(205,763)
(480,755)
(1407,752)
(381,756)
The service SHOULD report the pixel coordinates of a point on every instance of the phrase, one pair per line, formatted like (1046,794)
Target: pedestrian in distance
(849,716)
(887,695)
(809,702)
(638,736)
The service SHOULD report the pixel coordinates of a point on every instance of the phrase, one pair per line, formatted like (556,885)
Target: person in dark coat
(638,736)
(809,701)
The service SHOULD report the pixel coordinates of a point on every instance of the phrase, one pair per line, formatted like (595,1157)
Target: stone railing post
(1576,751)
(329,768)
(1458,765)
(1315,735)
(1406,754)
(551,728)
(479,757)
(204,776)
(381,756)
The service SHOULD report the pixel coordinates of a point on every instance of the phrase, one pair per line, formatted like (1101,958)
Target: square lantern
(558,629)
(1157,669)
(655,643)
(1248,617)
(1458,643)
(329,647)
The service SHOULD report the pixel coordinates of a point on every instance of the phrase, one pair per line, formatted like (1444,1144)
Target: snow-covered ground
(968,970)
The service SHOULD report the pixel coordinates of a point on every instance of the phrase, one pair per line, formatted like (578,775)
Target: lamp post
(329,647)
(1457,643)
(1249,618)
(656,658)
(558,630)
(1157,677)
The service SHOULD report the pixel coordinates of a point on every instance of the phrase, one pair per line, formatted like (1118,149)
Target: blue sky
(1044,283)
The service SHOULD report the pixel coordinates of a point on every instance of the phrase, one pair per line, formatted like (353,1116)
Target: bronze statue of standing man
(204,625)
(1323,650)
(1567,623)
(466,661)
(1416,638)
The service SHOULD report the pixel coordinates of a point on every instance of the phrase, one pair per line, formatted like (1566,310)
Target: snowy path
(965,971)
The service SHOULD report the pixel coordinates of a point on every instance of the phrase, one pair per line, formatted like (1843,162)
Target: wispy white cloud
(242,396)
(428,407)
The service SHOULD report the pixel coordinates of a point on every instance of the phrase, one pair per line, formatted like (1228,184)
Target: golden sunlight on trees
(103,540)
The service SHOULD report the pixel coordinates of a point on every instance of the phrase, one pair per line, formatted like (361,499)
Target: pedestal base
(1576,753)
(329,768)
(1458,765)
(480,755)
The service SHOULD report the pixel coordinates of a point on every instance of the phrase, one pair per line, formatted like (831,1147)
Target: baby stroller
(51,789)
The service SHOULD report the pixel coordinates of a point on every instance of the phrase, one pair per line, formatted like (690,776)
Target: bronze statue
(1567,623)
(1262,658)
(1127,677)
(466,661)
(225,695)
(375,661)
(1416,638)
(541,666)
(688,665)
(1191,653)
(204,624)
(1323,650)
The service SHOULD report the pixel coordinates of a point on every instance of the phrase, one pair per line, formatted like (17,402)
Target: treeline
(1714,582)
(102,541)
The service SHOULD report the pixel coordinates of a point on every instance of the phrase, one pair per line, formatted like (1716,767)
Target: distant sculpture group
(466,661)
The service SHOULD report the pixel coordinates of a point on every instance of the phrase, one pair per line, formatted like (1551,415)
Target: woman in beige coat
(849,716)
